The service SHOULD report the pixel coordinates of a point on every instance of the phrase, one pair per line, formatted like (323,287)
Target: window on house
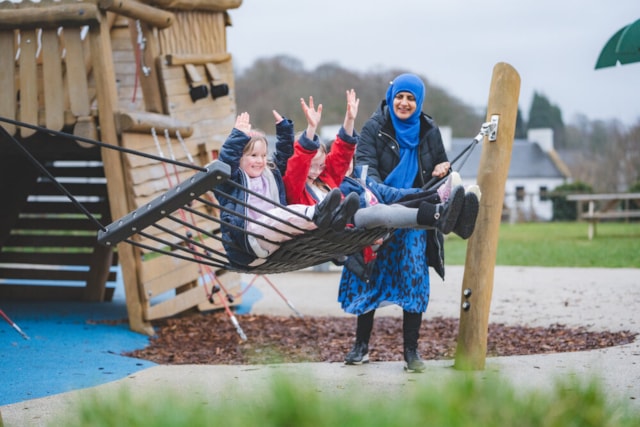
(519,194)
(544,193)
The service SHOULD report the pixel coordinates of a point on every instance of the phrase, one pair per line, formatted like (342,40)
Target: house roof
(528,160)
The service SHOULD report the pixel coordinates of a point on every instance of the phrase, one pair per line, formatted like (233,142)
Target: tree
(545,115)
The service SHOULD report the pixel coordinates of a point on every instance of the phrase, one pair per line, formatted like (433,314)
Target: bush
(564,210)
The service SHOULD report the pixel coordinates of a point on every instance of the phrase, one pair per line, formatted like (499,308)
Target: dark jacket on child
(234,237)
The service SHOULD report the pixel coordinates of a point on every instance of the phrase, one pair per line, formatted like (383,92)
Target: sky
(455,44)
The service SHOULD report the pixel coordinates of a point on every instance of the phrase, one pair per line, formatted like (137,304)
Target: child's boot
(466,222)
(324,210)
(442,216)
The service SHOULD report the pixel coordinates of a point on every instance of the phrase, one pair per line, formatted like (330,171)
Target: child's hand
(277,116)
(243,123)
(313,116)
(352,104)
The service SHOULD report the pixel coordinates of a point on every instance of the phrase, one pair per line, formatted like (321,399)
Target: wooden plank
(610,215)
(165,273)
(99,273)
(28,81)
(60,207)
(53,223)
(52,80)
(8,79)
(42,274)
(143,122)
(77,189)
(76,73)
(603,197)
(138,10)
(149,82)
(46,258)
(177,304)
(47,293)
(205,5)
(52,16)
(50,240)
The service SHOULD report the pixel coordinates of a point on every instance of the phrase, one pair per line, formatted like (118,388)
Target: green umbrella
(623,47)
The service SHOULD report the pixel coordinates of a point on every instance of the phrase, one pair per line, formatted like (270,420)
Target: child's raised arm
(313,116)
(352,111)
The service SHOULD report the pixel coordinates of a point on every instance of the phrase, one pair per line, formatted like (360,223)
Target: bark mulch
(211,339)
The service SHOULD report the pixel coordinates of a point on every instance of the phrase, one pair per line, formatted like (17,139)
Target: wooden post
(117,188)
(482,246)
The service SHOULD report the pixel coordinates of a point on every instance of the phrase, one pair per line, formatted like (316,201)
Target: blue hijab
(407,131)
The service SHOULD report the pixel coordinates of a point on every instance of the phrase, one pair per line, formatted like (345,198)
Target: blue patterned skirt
(400,276)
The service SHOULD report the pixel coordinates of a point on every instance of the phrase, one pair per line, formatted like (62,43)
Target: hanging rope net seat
(302,250)
(143,227)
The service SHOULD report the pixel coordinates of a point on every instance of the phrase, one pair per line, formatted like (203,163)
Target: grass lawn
(559,244)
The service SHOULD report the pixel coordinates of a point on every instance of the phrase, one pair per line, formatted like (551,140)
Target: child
(312,172)
(247,242)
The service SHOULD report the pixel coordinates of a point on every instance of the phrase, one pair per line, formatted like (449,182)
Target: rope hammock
(205,246)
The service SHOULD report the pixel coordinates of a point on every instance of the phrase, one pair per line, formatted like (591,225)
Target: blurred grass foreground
(461,402)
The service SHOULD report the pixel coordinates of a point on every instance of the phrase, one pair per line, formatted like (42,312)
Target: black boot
(323,214)
(360,352)
(442,216)
(411,331)
(344,214)
(466,222)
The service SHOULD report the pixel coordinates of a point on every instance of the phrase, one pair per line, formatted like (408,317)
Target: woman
(401,147)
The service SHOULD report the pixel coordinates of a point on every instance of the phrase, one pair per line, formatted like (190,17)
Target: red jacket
(337,163)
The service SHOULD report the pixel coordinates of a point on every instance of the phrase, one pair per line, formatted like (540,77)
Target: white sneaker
(474,189)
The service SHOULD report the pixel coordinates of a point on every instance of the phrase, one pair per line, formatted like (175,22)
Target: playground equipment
(113,72)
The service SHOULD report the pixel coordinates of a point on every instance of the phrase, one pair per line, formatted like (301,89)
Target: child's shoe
(467,219)
(323,214)
(452,181)
(443,216)
(345,211)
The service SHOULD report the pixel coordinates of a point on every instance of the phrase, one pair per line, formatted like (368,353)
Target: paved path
(599,299)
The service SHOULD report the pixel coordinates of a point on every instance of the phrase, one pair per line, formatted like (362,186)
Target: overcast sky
(455,44)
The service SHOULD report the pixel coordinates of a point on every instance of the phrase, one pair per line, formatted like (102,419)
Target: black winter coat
(379,149)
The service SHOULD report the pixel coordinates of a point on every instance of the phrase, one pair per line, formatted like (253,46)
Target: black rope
(435,181)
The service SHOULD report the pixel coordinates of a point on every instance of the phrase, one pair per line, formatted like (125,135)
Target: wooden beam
(8,102)
(50,17)
(198,59)
(107,95)
(137,10)
(203,5)
(482,247)
(142,122)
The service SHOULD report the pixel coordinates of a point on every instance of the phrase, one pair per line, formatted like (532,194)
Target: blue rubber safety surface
(70,347)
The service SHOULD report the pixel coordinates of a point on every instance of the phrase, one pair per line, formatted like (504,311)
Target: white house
(535,171)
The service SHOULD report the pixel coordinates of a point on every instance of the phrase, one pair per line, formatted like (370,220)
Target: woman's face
(254,161)
(317,166)
(404,105)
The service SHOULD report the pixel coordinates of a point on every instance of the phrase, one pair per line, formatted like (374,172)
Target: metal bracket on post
(493,128)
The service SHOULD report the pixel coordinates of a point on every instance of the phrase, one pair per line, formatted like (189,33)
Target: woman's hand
(243,123)
(441,169)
